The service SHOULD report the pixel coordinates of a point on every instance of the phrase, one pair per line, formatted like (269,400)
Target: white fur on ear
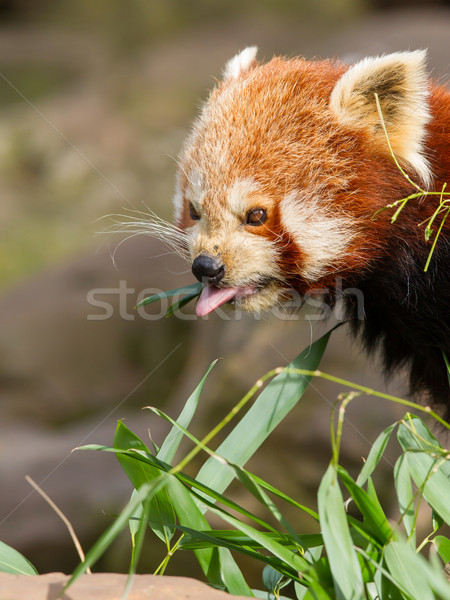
(400,81)
(242,62)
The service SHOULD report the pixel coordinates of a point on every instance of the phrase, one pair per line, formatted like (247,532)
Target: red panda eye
(193,213)
(256,216)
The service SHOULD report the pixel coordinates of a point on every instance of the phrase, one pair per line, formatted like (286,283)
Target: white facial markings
(195,191)
(178,203)
(248,258)
(322,236)
(239,196)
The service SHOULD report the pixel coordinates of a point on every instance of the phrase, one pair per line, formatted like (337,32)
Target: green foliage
(12,561)
(183,295)
(353,557)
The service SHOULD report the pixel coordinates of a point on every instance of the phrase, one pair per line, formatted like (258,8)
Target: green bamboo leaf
(370,508)
(344,564)
(291,559)
(405,496)
(429,468)
(161,515)
(206,496)
(220,568)
(386,586)
(269,409)
(96,447)
(173,439)
(124,439)
(279,494)
(138,541)
(13,562)
(189,515)
(192,289)
(134,521)
(317,592)
(271,578)
(442,545)
(375,454)
(371,491)
(437,520)
(369,561)
(414,574)
(176,306)
(372,591)
(205,539)
(415,432)
(288,561)
(300,590)
(232,576)
(230,536)
(251,484)
(321,585)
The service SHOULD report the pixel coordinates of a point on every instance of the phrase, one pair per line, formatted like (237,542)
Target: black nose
(207,268)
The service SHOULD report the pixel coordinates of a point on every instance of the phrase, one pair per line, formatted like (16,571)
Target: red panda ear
(241,63)
(400,82)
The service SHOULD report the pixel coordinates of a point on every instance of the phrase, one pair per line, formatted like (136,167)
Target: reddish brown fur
(272,125)
(359,181)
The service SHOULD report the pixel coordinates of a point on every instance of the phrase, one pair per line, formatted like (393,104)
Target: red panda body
(280,186)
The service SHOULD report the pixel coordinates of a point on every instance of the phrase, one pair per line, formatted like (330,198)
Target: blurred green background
(95,100)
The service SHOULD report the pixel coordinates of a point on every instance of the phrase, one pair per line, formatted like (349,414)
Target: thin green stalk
(435,240)
(437,211)
(333,435)
(401,207)
(383,125)
(411,503)
(138,541)
(171,551)
(341,414)
(370,392)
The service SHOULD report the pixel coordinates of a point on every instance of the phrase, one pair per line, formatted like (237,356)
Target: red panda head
(286,166)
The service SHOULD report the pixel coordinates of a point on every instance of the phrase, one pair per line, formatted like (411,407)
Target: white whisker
(113,255)
(146,222)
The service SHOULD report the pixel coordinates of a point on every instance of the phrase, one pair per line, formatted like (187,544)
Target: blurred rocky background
(95,100)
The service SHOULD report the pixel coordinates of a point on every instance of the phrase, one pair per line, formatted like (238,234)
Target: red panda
(280,185)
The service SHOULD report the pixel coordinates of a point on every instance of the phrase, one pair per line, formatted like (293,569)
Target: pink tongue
(212,297)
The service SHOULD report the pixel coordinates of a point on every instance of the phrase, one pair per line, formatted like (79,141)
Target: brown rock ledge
(106,586)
